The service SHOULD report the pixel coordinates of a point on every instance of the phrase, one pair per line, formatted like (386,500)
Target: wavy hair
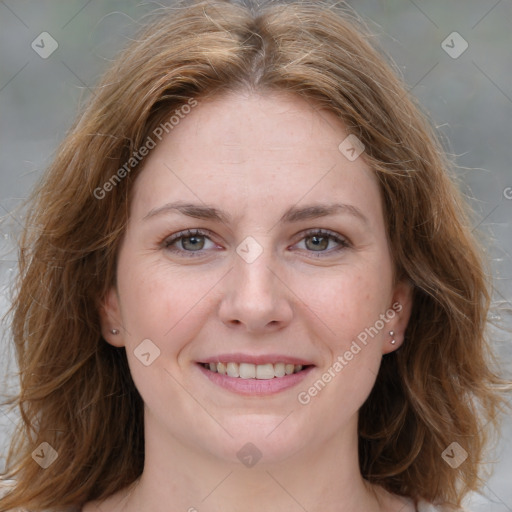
(76,392)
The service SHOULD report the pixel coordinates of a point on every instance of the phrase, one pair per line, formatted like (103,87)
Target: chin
(264,437)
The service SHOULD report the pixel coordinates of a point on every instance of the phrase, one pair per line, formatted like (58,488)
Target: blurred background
(455,56)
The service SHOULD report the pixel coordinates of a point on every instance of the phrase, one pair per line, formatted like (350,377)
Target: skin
(253,156)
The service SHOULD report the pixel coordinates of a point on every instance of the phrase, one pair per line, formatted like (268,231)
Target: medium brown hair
(76,391)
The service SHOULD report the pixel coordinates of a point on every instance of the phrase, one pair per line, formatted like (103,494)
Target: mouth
(264,371)
(257,378)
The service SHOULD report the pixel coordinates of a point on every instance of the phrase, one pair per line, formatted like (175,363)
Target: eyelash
(189,233)
(330,235)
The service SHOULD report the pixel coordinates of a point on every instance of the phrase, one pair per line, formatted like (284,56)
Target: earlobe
(110,318)
(402,306)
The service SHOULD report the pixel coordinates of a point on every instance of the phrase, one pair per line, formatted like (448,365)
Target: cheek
(166,307)
(349,300)
(163,304)
(348,307)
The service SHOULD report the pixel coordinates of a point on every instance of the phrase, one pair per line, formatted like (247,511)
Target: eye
(190,240)
(322,242)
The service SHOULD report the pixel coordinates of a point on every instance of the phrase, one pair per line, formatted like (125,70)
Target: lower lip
(256,386)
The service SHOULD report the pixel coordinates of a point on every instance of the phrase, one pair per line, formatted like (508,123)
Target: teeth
(232,370)
(265,371)
(254,371)
(279,370)
(247,370)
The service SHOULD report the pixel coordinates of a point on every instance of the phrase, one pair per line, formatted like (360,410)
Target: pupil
(318,242)
(193,242)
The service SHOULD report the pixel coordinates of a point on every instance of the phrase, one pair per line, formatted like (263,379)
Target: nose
(255,298)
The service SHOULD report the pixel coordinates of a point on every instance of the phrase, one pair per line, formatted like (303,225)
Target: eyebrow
(293,214)
(191,210)
(297,214)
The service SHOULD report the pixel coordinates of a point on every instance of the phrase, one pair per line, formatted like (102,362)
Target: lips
(265,385)
(261,367)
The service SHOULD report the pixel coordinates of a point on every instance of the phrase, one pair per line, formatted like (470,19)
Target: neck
(323,477)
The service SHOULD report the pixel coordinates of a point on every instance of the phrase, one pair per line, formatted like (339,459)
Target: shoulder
(423,506)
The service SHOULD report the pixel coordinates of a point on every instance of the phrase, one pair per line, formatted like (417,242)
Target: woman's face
(254,239)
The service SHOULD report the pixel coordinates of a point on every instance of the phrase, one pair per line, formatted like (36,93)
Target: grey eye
(192,243)
(317,243)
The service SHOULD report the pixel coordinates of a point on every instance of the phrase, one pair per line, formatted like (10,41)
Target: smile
(254,371)
(251,379)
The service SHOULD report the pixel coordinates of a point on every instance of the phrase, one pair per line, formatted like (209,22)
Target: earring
(392,333)
(114,331)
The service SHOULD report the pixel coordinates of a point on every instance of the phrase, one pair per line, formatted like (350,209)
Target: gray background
(468,98)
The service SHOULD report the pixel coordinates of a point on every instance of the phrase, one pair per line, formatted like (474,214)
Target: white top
(423,506)
(427,507)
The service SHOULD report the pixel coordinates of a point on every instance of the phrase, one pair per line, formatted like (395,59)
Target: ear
(111,318)
(401,304)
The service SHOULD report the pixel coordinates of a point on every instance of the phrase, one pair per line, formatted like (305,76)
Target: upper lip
(255,359)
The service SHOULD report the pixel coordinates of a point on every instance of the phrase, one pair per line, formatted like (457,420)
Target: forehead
(248,150)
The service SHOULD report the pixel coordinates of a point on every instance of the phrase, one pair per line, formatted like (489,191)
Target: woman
(248,282)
